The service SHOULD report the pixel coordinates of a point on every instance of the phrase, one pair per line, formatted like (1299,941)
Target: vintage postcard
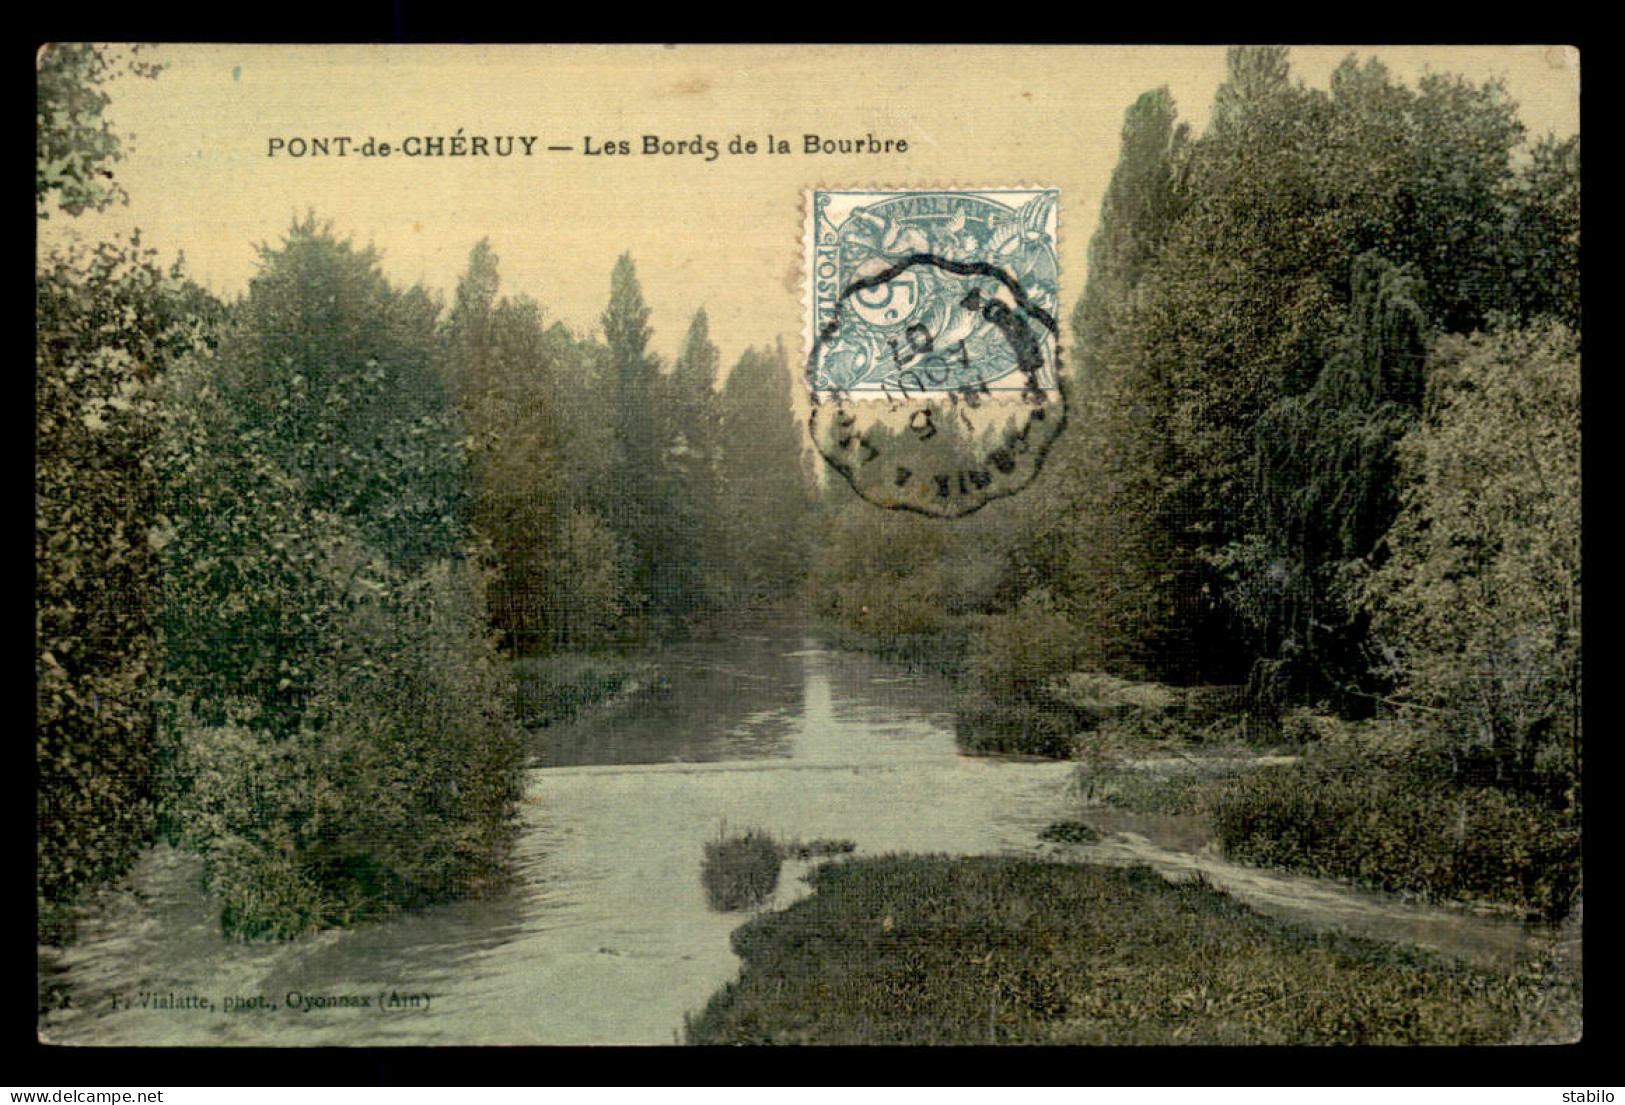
(678,545)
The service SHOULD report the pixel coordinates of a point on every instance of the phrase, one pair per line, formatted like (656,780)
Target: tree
(74,144)
(1478,606)
(506,375)
(1092,511)
(691,429)
(109,324)
(1224,297)
(586,591)
(1543,228)
(633,370)
(652,510)
(340,372)
(764,488)
(1327,489)
(341,742)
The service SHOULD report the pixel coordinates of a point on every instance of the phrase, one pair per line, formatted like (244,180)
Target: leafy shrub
(1480,604)
(1363,817)
(1013,656)
(988,729)
(740,871)
(341,742)
(397,790)
(1006,701)
(109,323)
(1069,832)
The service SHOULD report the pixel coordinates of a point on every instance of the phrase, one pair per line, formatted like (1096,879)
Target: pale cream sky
(723,234)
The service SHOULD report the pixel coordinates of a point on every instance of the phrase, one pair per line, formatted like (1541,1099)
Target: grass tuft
(739,872)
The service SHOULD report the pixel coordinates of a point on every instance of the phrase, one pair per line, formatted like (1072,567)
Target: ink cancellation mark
(933,366)
(917,292)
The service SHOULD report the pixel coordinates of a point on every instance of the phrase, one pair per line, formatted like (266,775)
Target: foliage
(1249,351)
(73,142)
(1089,534)
(1380,820)
(938,951)
(1007,702)
(396,792)
(527,399)
(337,371)
(587,587)
(1479,604)
(651,508)
(740,871)
(764,494)
(1014,655)
(887,575)
(1326,474)
(689,409)
(109,323)
(341,741)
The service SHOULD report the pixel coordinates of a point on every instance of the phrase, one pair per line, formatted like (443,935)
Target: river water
(608,939)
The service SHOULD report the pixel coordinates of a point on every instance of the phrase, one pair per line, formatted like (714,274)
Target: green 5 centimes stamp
(932,365)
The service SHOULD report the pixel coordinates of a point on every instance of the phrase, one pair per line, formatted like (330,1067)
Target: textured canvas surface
(547,545)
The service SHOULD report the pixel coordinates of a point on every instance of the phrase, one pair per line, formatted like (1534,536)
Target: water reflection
(609,937)
(727,697)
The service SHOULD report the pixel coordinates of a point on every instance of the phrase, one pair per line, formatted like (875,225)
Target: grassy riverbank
(1345,815)
(554,688)
(931,950)
(942,651)
(1389,804)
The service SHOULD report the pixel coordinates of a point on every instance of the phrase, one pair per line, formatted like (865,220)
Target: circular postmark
(933,366)
(933,370)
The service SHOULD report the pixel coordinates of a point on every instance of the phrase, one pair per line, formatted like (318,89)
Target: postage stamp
(932,343)
(803,544)
(933,292)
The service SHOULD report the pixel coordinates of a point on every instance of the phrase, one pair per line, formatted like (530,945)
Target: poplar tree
(764,484)
(651,510)
(690,408)
(1093,528)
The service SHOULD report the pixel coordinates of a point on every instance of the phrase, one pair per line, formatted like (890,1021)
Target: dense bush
(1007,701)
(1480,606)
(341,741)
(740,871)
(1368,817)
(109,324)
(988,729)
(396,790)
(891,574)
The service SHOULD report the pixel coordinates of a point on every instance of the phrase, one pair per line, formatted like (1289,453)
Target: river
(607,938)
